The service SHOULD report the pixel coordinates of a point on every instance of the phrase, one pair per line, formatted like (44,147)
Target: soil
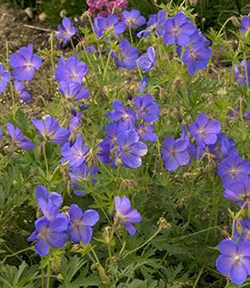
(19,28)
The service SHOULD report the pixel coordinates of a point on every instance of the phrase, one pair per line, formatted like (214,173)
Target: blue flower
(66,30)
(223,147)
(133,18)
(49,233)
(178,30)
(131,149)
(74,155)
(196,57)
(73,90)
(49,202)
(204,131)
(81,223)
(239,192)
(80,174)
(126,215)
(245,25)
(174,153)
(70,70)
(25,63)
(146,133)
(18,138)
(147,108)
(232,170)
(143,84)
(124,116)
(5,77)
(127,55)
(111,24)
(155,23)
(75,121)
(20,89)
(234,260)
(146,62)
(51,131)
(240,72)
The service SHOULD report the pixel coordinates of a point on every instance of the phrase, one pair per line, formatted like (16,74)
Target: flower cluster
(52,228)
(70,75)
(122,143)
(205,132)
(105,7)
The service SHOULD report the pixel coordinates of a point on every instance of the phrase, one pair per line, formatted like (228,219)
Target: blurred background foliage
(210,13)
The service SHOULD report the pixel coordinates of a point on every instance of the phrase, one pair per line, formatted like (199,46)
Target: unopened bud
(163,223)
(235,22)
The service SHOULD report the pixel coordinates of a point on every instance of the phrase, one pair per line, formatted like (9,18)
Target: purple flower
(196,57)
(143,84)
(5,77)
(70,70)
(240,73)
(146,62)
(239,192)
(243,230)
(131,149)
(146,133)
(223,147)
(234,260)
(81,223)
(133,18)
(73,90)
(18,138)
(232,170)
(155,23)
(125,117)
(204,131)
(127,55)
(178,30)
(75,121)
(49,202)
(126,215)
(174,153)
(66,30)
(109,24)
(147,108)
(49,233)
(245,24)
(20,89)
(51,131)
(25,63)
(79,175)
(74,155)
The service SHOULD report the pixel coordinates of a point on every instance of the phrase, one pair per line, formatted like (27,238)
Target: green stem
(107,64)
(48,275)
(143,244)
(51,53)
(45,159)
(198,276)
(42,278)
(130,35)
(139,70)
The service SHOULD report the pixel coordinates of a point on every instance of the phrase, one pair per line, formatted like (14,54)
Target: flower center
(234,171)
(176,31)
(78,224)
(44,234)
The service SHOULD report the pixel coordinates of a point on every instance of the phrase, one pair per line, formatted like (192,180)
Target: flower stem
(45,159)
(48,275)
(107,64)
(143,244)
